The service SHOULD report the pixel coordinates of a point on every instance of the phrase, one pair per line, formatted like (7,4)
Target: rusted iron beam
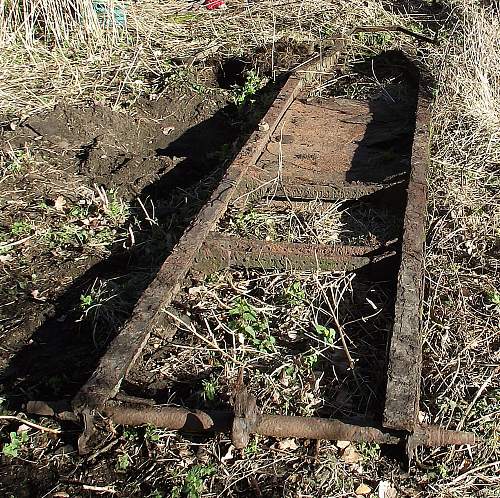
(261,187)
(186,420)
(405,349)
(224,251)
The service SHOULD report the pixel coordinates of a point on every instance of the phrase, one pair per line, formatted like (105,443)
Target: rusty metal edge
(130,341)
(404,364)
(253,188)
(224,251)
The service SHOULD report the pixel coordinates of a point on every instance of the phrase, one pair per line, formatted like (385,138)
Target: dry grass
(311,342)
(462,313)
(79,58)
(313,222)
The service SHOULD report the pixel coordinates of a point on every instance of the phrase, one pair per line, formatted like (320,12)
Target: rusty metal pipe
(197,421)
(321,428)
(179,419)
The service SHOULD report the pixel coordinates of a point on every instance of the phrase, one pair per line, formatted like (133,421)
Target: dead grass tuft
(69,51)
(462,317)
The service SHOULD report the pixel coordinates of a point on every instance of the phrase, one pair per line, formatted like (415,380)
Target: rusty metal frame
(199,250)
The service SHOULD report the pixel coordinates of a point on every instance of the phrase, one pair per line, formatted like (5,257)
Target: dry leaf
(4,258)
(351,456)
(287,444)
(363,489)
(343,444)
(36,295)
(59,203)
(386,490)
(228,455)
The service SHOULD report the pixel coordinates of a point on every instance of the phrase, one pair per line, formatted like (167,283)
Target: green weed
(253,83)
(494,298)
(194,482)
(20,228)
(152,434)
(17,159)
(11,450)
(208,389)
(123,462)
(369,451)
(252,447)
(252,324)
(311,359)
(327,333)
(131,434)
(86,301)
(295,294)
(155,494)
(116,210)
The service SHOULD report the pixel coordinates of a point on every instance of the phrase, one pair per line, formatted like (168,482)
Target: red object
(213,4)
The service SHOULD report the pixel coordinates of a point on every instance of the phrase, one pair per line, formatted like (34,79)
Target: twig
(461,477)
(191,329)
(99,489)
(476,397)
(400,29)
(31,424)
(16,243)
(340,330)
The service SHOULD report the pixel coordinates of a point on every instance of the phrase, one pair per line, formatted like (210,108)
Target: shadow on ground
(64,350)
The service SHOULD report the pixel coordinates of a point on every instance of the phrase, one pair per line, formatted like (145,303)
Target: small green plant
(252,447)
(327,333)
(20,228)
(86,302)
(295,294)
(252,325)
(311,359)
(194,482)
(123,462)
(16,161)
(115,208)
(255,224)
(253,83)
(369,451)
(11,450)
(152,434)
(208,389)
(132,434)
(494,298)
(78,212)
(155,494)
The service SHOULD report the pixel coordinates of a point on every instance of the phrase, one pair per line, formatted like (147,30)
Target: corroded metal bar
(405,351)
(321,428)
(224,251)
(278,425)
